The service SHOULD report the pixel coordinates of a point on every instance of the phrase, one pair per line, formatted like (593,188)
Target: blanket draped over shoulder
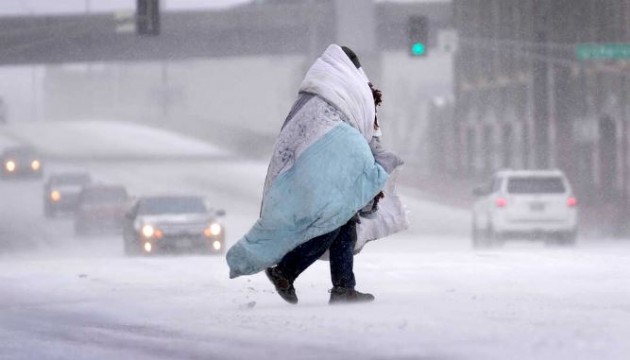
(322,170)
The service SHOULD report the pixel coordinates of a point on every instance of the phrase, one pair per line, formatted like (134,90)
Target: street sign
(602,51)
(125,22)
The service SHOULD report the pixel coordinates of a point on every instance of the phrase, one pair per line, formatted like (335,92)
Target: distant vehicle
(61,192)
(530,204)
(100,208)
(21,162)
(173,223)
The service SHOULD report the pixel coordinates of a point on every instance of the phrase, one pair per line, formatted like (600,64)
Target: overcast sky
(21,7)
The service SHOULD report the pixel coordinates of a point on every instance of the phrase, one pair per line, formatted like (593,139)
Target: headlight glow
(213,230)
(35,165)
(55,195)
(10,166)
(148,231)
(147,247)
(216,245)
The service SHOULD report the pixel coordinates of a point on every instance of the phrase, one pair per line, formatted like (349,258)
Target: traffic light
(148,17)
(418,34)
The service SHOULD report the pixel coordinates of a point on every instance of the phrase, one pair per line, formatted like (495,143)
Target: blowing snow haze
(513,126)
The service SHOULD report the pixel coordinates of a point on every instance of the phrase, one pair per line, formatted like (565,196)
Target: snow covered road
(63,297)
(518,303)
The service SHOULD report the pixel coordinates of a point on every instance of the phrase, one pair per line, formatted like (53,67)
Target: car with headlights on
(61,192)
(173,223)
(100,208)
(21,162)
(530,204)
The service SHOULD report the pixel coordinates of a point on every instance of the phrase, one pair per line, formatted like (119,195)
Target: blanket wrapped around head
(322,170)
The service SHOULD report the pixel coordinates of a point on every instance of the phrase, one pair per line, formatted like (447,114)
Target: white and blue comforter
(321,173)
(322,170)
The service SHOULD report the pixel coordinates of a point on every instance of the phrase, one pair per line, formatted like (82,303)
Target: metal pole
(165,93)
(541,94)
(624,143)
(34,92)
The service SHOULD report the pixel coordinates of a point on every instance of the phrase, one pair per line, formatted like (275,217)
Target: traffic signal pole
(148,17)
(541,105)
(356,28)
(418,35)
(624,141)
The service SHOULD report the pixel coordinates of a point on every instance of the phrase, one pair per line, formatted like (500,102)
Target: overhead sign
(125,22)
(603,51)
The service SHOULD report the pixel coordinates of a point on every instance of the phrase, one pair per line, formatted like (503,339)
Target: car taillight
(501,202)
(572,202)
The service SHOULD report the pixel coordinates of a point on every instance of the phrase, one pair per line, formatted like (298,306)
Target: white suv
(525,203)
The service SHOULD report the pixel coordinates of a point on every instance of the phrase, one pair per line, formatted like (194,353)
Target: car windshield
(106,195)
(536,185)
(21,153)
(74,179)
(172,205)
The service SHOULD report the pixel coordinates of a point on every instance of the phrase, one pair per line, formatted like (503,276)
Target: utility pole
(165,94)
(148,17)
(541,92)
(35,98)
(356,28)
(624,142)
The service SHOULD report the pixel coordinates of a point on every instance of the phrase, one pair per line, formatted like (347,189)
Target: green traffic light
(418,49)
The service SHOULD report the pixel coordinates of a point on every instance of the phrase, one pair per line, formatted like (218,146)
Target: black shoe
(283,285)
(340,295)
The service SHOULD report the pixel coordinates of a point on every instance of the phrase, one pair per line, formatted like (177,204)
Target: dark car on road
(100,208)
(173,223)
(21,162)
(61,191)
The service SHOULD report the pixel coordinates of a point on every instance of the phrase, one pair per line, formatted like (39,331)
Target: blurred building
(525,97)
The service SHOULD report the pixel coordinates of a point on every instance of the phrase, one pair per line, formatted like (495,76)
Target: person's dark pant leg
(303,256)
(342,257)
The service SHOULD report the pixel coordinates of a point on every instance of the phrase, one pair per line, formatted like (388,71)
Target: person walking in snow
(322,173)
